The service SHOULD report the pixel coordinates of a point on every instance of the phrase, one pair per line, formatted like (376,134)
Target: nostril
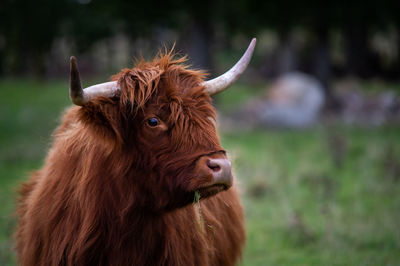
(213,165)
(221,171)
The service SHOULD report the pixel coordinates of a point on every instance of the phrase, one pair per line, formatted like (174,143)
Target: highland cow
(119,182)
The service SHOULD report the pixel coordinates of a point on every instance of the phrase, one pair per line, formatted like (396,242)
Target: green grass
(28,113)
(303,209)
(322,196)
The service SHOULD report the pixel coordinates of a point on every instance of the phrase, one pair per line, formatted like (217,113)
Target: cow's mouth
(209,191)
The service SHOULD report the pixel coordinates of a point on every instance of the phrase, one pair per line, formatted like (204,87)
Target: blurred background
(313,126)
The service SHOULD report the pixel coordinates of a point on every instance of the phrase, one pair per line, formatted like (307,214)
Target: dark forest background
(328,39)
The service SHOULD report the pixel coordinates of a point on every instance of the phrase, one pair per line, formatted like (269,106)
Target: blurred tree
(28,29)
(90,21)
(198,31)
(393,13)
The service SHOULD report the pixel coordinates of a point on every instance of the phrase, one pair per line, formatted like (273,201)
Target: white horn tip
(253,43)
(222,82)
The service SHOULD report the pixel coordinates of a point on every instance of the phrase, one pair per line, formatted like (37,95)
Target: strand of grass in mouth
(196,201)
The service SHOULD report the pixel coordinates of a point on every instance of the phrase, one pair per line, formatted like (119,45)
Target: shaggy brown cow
(118,184)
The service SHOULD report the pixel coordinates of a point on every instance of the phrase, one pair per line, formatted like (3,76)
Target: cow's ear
(137,85)
(103,115)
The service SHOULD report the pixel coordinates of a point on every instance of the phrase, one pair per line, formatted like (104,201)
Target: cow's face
(162,114)
(176,141)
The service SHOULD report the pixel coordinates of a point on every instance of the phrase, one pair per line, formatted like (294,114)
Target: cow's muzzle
(214,174)
(221,170)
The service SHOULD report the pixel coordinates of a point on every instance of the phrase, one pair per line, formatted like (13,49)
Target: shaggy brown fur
(115,191)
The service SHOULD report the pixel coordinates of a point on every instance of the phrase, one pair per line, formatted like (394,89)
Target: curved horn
(81,96)
(222,82)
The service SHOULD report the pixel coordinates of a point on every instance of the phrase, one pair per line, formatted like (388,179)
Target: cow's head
(161,115)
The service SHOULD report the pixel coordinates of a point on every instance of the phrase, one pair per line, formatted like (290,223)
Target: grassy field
(323,196)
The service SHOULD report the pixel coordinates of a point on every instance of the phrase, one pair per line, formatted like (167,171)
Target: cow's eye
(153,122)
